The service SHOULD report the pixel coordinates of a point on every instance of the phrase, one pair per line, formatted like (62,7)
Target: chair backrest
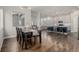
(20,33)
(34,27)
(29,34)
(17,31)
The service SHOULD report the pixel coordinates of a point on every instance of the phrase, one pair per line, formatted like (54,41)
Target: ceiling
(47,10)
(54,10)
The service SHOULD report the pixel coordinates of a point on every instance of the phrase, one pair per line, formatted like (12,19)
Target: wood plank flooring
(51,42)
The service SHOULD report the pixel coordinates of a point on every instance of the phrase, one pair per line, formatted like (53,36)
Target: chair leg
(20,41)
(34,40)
(26,44)
(23,43)
(17,38)
(31,41)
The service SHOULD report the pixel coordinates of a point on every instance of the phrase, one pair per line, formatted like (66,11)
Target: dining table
(36,33)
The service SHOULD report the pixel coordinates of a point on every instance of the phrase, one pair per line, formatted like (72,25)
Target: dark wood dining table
(36,33)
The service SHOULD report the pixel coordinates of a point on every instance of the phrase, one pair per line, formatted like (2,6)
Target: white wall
(35,16)
(74,21)
(10,30)
(53,21)
(1,27)
(47,21)
(28,21)
(68,19)
(65,18)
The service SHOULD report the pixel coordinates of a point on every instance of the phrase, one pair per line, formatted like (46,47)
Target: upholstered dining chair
(18,33)
(21,37)
(28,39)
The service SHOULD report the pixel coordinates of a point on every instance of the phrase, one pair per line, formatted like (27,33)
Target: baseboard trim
(12,36)
(3,38)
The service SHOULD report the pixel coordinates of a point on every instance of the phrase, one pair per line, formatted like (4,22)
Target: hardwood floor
(51,42)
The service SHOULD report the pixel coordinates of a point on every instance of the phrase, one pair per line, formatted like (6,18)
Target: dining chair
(20,37)
(21,41)
(25,38)
(18,34)
(28,39)
(37,35)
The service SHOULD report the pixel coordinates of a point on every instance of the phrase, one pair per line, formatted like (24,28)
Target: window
(18,19)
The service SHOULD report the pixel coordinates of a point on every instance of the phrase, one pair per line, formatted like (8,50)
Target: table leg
(40,37)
